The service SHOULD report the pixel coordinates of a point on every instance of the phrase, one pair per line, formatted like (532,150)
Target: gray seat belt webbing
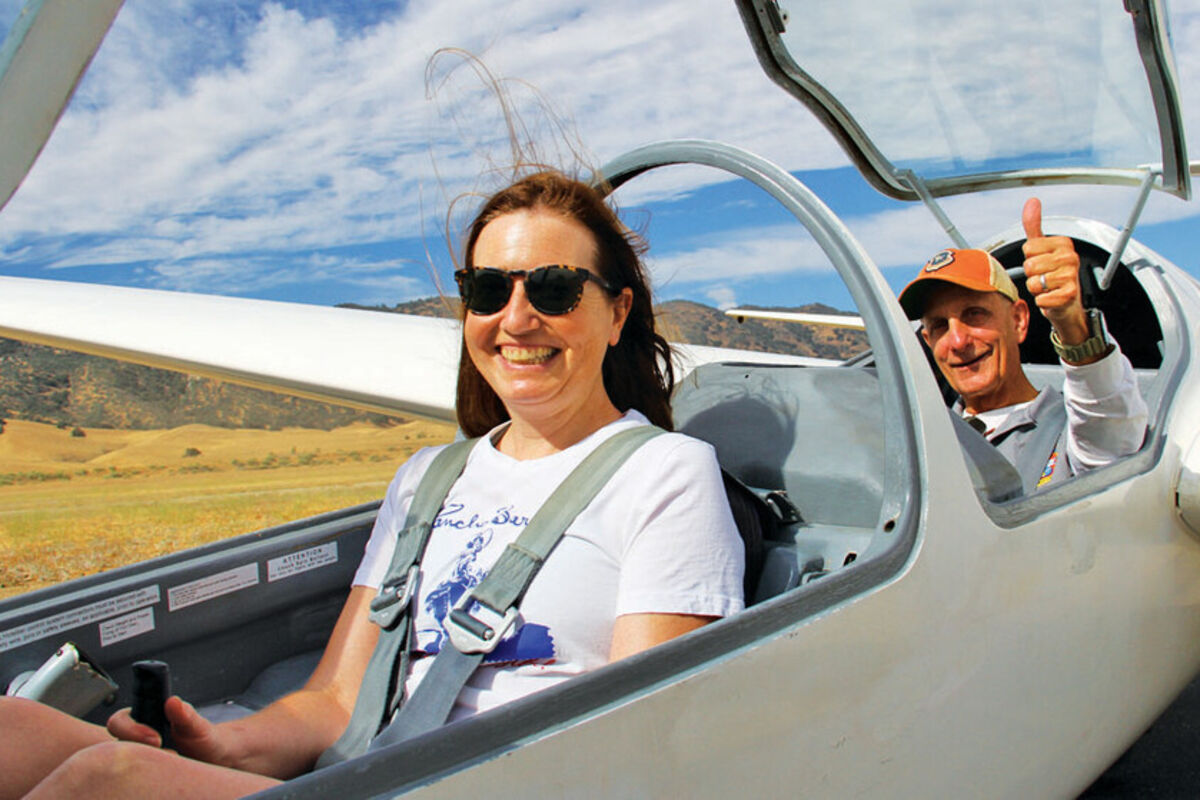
(383,682)
(502,589)
(1031,462)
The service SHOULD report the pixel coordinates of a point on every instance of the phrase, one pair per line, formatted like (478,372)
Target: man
(974,322)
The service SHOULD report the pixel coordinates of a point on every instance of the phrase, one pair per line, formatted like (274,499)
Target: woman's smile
(524,355)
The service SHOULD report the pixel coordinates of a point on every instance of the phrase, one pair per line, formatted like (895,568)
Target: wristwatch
(1095,345)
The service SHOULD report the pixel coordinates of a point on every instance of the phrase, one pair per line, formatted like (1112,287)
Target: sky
(330,152)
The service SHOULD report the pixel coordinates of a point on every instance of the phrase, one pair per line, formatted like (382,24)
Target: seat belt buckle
(393,598)
(469,634)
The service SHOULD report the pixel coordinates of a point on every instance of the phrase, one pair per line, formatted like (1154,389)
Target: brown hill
(436,306)
(696,323)
(64,388)
(59,387)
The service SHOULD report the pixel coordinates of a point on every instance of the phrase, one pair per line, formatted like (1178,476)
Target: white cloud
(303,105)
(245,275)
(742,255)
(900,238)
(923,92)
(271,132)
(723,297)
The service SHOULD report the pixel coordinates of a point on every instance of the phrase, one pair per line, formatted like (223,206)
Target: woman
(559,353)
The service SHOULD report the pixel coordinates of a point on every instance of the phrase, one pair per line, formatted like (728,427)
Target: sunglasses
(552,290)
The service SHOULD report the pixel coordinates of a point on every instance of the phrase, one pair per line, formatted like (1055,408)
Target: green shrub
(194,468)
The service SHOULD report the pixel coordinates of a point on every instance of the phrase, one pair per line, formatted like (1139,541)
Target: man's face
(975,338)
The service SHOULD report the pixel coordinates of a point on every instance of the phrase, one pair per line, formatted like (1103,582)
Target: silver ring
(1042,277)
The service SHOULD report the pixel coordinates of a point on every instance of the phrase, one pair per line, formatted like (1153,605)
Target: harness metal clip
(470,634)
(393,598)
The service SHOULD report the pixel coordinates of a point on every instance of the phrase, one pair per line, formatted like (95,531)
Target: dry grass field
(73,505)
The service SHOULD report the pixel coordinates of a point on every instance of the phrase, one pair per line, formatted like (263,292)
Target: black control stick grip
(151,688)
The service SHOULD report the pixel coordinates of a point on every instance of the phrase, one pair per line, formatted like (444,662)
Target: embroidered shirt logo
(1048,472)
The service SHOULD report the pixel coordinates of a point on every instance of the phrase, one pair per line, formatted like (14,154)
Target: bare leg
(35,739)
(125,769)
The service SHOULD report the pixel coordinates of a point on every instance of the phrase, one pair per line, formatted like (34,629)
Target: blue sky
(309,152)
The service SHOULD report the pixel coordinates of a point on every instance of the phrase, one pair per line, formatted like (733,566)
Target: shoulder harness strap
(382,687)
(484,614)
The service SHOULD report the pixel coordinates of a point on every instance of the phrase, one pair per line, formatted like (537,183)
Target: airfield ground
(78,501)
(74,505)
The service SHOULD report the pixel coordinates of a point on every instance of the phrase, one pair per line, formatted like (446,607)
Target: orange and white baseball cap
(977,270)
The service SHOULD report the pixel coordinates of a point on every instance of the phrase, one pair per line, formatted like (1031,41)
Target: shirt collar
(1022,418)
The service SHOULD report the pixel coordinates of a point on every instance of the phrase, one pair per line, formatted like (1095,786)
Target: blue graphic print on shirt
(529,643)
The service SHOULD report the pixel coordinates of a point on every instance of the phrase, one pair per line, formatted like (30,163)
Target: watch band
(1095,345)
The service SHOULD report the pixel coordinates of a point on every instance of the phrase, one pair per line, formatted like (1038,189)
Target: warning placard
(302,561)
(76,617)
(126,627)
(198,591)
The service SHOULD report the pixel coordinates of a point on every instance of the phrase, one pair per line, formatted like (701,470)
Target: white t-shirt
(658,538)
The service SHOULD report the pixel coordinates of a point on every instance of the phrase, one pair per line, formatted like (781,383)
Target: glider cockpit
(913,603)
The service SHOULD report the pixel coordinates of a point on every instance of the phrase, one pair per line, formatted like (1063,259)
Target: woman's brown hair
(637,371)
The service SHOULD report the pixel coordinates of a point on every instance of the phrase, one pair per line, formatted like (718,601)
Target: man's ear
(1020,312)
(925,336)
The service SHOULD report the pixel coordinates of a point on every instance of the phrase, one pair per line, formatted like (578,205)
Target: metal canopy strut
(918,186)
(1114,260)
